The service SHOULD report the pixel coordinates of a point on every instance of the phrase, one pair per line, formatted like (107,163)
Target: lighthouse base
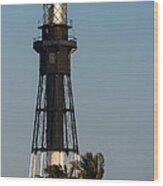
(56,158)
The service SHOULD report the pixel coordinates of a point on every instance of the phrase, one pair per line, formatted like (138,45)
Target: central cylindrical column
(55,29)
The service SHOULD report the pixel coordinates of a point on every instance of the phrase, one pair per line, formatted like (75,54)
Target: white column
(30,166)
(56,157)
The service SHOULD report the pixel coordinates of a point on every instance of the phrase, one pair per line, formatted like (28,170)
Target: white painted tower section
(56,158)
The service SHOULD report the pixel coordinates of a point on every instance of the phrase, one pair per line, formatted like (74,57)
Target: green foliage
(55,171)
(89,167)
(92,167)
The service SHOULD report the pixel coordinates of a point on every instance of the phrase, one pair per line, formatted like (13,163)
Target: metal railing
(70,37)
(40,22)
(38,38)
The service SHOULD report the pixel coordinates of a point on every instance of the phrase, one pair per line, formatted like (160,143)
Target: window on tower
(52,58)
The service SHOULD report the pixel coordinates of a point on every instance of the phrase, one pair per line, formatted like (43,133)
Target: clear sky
(112,83)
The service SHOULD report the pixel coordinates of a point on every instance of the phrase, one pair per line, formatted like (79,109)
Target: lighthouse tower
(55,134)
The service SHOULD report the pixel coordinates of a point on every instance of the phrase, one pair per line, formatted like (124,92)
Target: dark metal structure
(54,135)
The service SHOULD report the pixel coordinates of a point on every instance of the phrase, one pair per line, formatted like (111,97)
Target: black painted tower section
(55,123)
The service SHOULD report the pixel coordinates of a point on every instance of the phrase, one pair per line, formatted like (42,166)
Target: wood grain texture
(155,91)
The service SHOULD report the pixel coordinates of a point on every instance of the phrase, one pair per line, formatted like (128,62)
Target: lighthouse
(54,139)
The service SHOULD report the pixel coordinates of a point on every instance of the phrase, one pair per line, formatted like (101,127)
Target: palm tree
(56,171)
(92,167)
(89,167)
